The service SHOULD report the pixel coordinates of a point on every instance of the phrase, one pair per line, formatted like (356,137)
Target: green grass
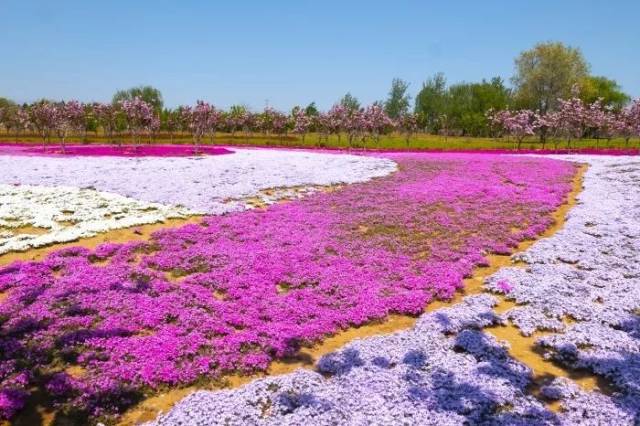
(393,142)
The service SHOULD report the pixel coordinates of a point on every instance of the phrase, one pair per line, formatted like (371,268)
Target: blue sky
(293,52)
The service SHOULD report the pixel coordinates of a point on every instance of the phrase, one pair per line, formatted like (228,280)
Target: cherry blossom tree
(337,118)
(627,123)
(354,125)
(376,121)
(571,119)
(280,124)
(107,116)
(321,122)
(634,112)
(44,116)
(599,121)
(408,125)
(547,126)
(139,116)
(4,113)
(199,119)
(70,118)
(235,118)
(272,121)
(249,122)
(518,124)
(214,121)
(265,120)
(301,122)
(154,127)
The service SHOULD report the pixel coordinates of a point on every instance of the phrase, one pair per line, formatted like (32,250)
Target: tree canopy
(461,107)
(149,94)
(350,102)
(546,73)
(6,103)
(431,101)
(398,101)
(593,88)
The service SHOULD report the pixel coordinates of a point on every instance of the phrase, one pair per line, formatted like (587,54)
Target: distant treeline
(546,77)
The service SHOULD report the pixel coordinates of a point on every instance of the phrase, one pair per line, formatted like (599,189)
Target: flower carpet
(99,329)
(448,371)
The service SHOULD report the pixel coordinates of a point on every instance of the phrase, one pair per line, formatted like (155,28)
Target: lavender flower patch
(589,272)
(445,371)
(204,184)
(65,214)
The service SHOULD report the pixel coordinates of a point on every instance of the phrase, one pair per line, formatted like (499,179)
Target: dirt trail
(137,233)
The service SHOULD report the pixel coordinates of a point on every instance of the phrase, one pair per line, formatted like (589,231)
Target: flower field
(448,370)
(98,330)
(260,232)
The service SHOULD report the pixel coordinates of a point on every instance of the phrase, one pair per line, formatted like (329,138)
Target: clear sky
(294,52)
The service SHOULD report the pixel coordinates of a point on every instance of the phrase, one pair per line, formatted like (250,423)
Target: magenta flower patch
(235,292)
(504,286)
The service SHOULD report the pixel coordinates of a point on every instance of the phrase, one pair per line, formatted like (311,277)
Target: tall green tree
(547,72)
(398,100)
(350,102)
(461,107)
(593,88)
(431,102)
(149,94)
(6,103)
(467,104)
(312,110)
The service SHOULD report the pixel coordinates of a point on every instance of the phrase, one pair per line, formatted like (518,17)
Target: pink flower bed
(235,292)
(110,150)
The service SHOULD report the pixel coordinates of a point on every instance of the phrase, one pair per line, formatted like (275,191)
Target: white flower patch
(204,184)
(47,200)
(35,216)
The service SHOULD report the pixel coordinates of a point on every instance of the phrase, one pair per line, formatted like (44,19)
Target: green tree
(468,103)
(6,103)
(547,72)
(399,100)
(311,110)
(431,102)
(90,121)
(593,88)
(238,109)
(350,102)
(149,94)
(461,107)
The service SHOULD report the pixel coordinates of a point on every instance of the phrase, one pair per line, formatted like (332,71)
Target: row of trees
(139,118)
(571,120)
(543,74)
